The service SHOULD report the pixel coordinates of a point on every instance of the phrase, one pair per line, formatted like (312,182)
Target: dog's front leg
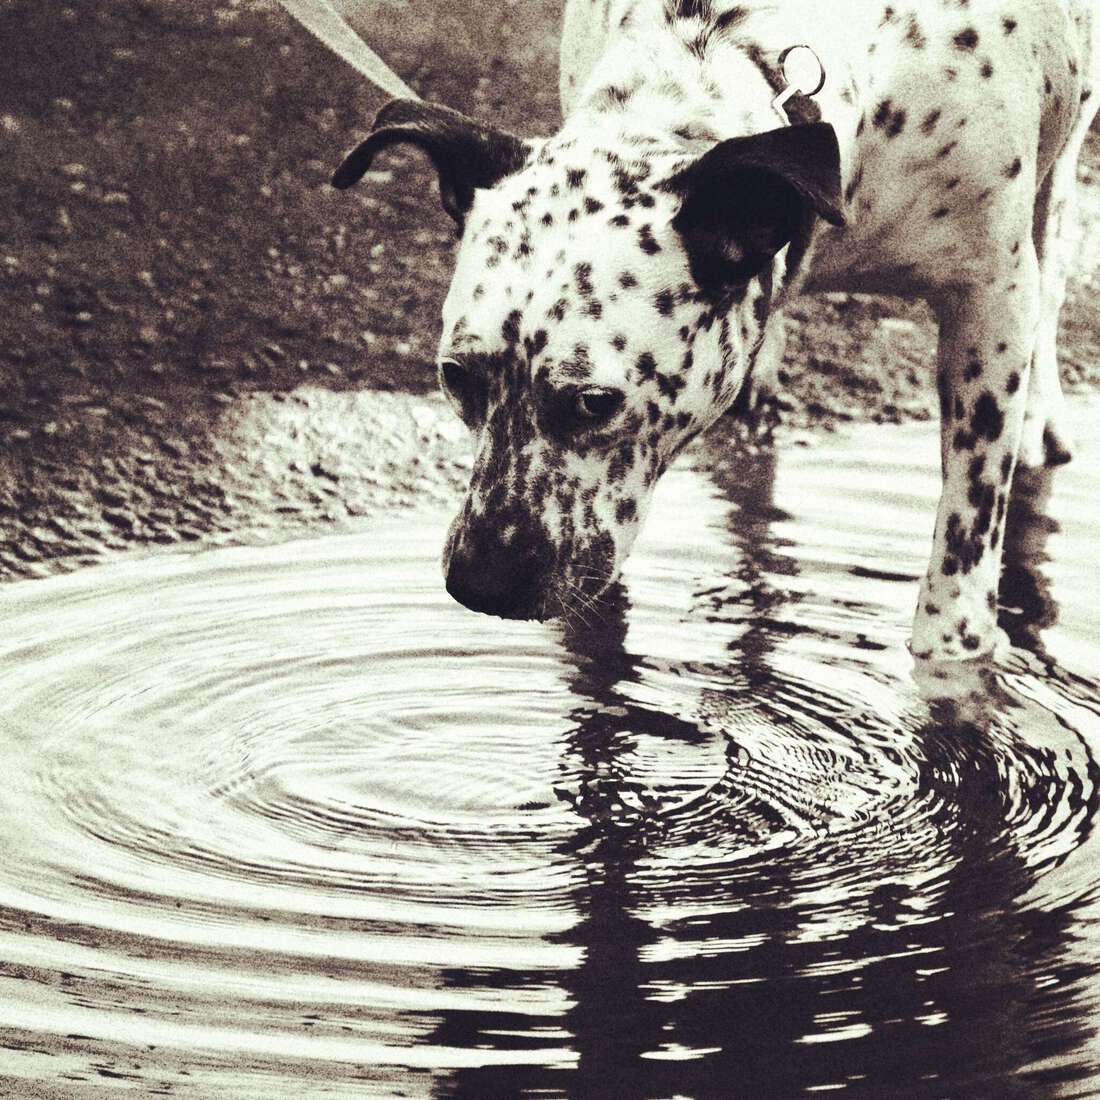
(987,335)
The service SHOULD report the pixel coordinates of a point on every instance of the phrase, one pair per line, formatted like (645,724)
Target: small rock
(177,447)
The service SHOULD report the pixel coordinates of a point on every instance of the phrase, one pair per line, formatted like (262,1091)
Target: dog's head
(608,296)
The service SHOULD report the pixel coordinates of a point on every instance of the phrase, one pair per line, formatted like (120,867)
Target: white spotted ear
(467,154)
(747,197)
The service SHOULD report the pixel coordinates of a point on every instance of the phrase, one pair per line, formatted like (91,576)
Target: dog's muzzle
(486,574)
(509,590)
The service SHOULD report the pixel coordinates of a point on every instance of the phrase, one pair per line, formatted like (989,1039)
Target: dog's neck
(682,89)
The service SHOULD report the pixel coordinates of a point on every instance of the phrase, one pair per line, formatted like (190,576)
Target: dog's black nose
(510,590)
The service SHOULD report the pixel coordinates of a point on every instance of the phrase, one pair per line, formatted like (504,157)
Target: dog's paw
(950,627)
(1045,444)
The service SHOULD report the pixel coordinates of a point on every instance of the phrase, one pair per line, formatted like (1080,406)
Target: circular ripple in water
(287,815)
(254,783)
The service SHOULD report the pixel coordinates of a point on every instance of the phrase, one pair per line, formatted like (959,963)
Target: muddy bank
(201,342)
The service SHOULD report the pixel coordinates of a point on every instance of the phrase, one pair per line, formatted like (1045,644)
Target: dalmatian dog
(617,284)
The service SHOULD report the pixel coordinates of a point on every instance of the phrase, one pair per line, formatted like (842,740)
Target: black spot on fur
(941,212)
(537,343)
(575,177)
(965,548)
(1008,23)
(853,184)
(1013,383)
(582,274)
(626,511)
(646,242)
(944,390)
(986,69)
(617,94)
(670,385)
(928,123)
(619,221)
(888,119)
(730,18)
(691,9)
(663,302)
(914,36)
(967,39)
(1011,171)
(646,366)
(509,331)
(988,420)
(627,280)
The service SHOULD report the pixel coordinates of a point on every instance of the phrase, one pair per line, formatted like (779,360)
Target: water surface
(287,821)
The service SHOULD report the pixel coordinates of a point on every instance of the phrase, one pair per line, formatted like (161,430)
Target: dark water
(288,822)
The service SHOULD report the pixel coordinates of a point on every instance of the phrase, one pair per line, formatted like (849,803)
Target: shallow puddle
(287,821)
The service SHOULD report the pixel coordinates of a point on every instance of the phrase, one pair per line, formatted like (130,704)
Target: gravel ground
(202,342)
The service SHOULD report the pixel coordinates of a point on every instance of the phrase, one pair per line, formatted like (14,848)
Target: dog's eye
(597,405)
(464,387)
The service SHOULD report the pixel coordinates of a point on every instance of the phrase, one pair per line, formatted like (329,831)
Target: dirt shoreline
(203,343)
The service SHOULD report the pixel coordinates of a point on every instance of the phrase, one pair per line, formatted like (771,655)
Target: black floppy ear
(747,197)
(466,154)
